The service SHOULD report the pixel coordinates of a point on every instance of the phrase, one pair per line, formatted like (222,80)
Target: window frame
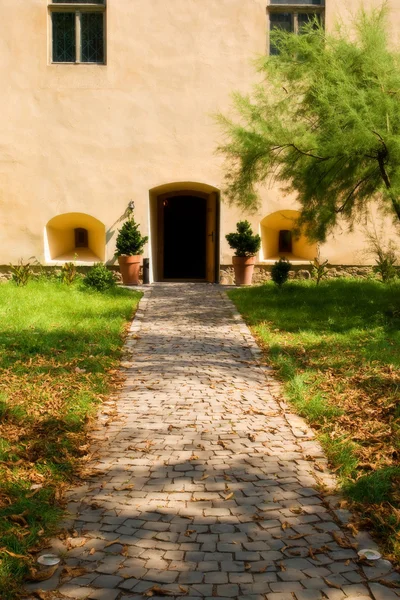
(295,10)
(77,8)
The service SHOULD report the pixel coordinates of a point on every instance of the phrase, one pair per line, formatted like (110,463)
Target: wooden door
(211,237)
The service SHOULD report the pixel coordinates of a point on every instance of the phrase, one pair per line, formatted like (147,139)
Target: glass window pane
(92,30)
(280,21)
(64,49)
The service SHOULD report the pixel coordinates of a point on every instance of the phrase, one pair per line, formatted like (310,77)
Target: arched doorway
(184,233)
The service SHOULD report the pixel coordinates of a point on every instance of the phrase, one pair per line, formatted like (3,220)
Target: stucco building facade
(112,101)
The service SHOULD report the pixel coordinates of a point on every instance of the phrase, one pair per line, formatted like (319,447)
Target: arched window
(285,241)
(75,236)
(81,238)
(278,240)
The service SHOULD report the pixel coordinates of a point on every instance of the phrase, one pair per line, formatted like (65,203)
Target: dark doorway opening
(184,237)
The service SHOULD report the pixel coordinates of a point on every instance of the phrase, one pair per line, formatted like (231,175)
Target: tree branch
(320,158)
(386,179)
(353,191)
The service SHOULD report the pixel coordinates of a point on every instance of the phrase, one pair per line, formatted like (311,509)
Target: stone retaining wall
(263,272)
(38,270)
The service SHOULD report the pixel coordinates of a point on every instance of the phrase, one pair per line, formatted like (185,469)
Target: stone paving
(205,484)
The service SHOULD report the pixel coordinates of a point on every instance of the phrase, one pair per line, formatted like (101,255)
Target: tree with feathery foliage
(325,123)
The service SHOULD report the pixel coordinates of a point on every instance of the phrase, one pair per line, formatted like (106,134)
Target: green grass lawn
(336,347)
(59,347)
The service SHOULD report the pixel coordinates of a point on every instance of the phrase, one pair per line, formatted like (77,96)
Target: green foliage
(342,453)
(244,242)
(337,350)
(314,407)
(280,271)
(325,123)
(376,487)
(385,266)
(58,345)
(130,241)
(319,269)
(21,273)
(68,273)
(100,278)
(385,255)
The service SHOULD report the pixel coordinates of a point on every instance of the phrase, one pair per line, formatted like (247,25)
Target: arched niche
(278,241)
(75,236)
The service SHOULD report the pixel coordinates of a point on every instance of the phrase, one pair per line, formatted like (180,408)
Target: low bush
(68,273)
(319,269)
(385,255)
(280,271)
(100,278)
(21,273)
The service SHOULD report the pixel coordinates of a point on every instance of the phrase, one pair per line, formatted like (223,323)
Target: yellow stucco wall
(90,138)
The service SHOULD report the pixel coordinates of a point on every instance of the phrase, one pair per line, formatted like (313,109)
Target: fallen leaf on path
(343,543)
(332,584)
(73,571)
(258,517)
(389,584)
(111,543)
(189,532)
(262,570)
(353,528)
(229,496)
(311,553)
(40,594)
(158,591)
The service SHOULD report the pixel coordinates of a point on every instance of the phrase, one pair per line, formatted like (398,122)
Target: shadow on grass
(335,306)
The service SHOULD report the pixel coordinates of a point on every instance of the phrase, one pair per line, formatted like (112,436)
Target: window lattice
(92,43)
(64,44)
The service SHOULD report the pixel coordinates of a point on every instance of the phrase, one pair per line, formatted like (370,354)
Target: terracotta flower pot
(243,267)
(130,267)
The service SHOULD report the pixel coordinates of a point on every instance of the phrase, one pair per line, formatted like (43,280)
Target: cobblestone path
(206,485)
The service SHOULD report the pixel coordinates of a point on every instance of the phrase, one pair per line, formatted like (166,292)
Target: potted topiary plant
(129,244)
(246,245)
